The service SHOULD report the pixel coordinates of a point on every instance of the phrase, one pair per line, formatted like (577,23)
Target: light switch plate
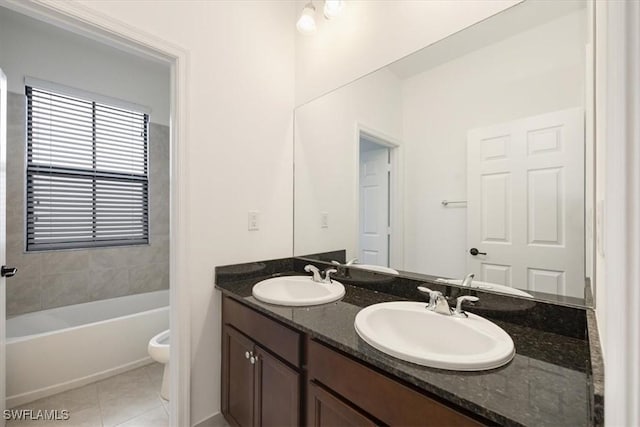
(324,219)
(254,220)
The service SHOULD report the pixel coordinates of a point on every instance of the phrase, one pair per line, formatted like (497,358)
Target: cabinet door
(277,392)
(326,410)
(237,378)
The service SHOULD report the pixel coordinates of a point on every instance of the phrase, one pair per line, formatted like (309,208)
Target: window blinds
(87,173)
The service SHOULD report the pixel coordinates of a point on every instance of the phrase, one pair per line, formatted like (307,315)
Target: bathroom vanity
(308,366)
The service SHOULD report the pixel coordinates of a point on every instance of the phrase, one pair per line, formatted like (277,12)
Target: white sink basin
(297,291)
(488,286)
(376,268)
(408,331)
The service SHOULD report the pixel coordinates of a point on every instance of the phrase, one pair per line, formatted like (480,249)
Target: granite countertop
(546,384)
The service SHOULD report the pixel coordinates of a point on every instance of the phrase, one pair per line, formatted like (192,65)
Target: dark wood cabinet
(238,378)
(277,394)
(258,388)
(327,410)
(376,394)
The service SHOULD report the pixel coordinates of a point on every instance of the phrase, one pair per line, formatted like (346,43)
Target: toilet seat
(159,347)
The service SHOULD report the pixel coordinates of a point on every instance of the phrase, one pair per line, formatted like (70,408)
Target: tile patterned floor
(131,399)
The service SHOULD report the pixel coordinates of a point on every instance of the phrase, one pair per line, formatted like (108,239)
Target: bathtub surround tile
(110,283)
(149,278)
(16,106)
(26,290)
(159,215)
(110,258)
(64,261)
(64,289)
(156,253)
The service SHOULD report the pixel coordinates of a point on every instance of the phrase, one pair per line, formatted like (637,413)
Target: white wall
(326,159)
(538,71)
(371,34)
(35,49)
(240,103)
(601,170)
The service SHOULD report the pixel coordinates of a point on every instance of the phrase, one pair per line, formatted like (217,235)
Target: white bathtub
(54,350)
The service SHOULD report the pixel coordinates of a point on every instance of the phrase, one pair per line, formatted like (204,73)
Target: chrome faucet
(316,273)
(439,304)
(317,277)
(437,301)
(467,280)
(327,274)
(459,312)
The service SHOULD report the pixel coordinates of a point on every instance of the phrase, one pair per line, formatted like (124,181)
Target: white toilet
(159,351)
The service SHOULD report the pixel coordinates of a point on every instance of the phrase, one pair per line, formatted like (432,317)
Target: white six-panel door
(374,207)
(525,190)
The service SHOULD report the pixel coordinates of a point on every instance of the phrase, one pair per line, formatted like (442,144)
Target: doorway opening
(375,175)
(155,196)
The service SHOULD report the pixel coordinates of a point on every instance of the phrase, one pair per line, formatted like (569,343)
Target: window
(87,172)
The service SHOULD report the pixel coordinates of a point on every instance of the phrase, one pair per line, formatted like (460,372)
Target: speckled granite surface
(556,318)
(546,384)
(596,370)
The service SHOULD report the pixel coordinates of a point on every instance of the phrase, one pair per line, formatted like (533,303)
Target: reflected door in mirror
(526,203)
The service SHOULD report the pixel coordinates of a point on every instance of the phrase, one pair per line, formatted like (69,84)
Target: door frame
(396,239)
(3,216)
(82,20)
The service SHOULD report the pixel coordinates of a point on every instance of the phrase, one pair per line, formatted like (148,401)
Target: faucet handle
(309,268)
(334,262)
(459,312)
(433,296)
(352,261)
(327,274)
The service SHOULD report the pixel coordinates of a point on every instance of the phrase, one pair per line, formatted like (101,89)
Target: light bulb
(332,8)
(307,23)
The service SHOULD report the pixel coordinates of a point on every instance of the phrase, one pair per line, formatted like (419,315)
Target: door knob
(8,271)
(475,251)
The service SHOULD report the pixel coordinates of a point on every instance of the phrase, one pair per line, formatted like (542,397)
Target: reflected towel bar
(448,202)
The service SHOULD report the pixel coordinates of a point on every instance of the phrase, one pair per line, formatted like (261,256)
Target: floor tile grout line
(139,415)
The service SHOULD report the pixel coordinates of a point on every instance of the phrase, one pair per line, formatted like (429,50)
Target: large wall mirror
(472,155)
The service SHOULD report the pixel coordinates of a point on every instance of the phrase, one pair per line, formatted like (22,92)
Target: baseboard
(24,398)
(215,420)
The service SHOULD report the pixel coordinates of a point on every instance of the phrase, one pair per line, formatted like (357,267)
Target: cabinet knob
(253,359)
(247,354)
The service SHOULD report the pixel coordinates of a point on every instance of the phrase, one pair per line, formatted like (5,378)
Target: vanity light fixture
(332,8)
(307,23)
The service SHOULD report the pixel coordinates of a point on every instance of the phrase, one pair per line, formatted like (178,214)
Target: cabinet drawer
(326,410)
(274,336)
(384,398)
